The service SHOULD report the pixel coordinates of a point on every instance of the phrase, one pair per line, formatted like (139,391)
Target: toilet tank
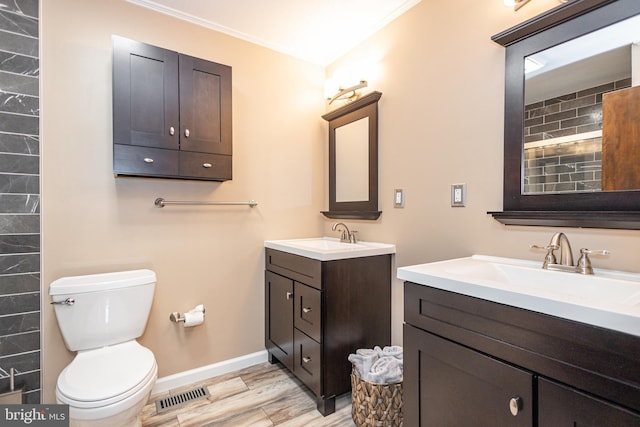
(102,309)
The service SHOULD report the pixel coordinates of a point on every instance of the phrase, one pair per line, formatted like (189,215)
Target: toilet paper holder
(177,317)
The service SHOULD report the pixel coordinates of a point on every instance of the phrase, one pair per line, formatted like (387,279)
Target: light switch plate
(458,195)
(398,198)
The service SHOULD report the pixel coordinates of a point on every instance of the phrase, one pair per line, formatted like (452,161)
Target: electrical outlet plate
(398,198)
(458,195)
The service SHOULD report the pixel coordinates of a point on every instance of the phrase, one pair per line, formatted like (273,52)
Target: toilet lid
(101,374)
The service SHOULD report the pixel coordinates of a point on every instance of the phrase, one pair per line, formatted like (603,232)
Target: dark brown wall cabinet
(318,312)
(471,362)
(171,114)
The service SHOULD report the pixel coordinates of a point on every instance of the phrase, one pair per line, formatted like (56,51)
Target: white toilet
(100,316)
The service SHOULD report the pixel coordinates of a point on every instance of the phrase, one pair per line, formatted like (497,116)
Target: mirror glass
(352,161)
(577,97)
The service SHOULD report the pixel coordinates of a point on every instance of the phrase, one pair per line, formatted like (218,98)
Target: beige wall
(441,123)
(441,118)
(93,222)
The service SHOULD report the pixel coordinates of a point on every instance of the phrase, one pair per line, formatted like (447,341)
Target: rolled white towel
(367,352)
(356,361)
(386,370)
(392,350)
(363,360)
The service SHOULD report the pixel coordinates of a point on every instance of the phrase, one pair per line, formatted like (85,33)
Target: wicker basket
(375,405)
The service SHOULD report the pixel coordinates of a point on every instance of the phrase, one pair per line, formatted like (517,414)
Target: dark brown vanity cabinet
(318,312)
(472,362)
(171,114)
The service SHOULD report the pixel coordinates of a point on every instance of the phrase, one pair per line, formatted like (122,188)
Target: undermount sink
(610,299)
(328,249)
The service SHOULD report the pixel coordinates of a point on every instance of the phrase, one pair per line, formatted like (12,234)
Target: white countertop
(328,248)
(609,299)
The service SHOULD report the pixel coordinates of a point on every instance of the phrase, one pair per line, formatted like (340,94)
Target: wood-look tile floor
(259,396)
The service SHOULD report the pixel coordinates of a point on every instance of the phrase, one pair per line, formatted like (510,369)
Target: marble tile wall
(572,166)
(564,168)
(568,114)
(19,197)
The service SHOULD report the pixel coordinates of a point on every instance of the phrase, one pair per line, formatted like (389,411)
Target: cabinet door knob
(186,133)
(307,310)
(206,165)
(515,405)
(306,359)
(289,295)
(148,160)
(172,131)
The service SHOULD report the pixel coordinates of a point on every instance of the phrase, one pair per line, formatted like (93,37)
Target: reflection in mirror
(352,161)
(575,98)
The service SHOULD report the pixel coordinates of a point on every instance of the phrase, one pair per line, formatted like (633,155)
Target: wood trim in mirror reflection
(613,209)
(366,106)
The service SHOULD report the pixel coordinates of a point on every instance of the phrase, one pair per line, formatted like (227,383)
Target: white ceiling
(317,31)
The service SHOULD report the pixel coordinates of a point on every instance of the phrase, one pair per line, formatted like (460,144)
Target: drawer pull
(148,160)
(172,131)
(289,295)
(206,165)
(515,405)
(307,310)
(306,359)
(186,133)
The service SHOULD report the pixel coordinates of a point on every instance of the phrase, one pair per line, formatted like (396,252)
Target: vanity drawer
(134,160)
(307,361)
(205,166)
(307,306)
(299,268)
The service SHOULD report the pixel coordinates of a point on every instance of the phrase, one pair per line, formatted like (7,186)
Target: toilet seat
(105,376)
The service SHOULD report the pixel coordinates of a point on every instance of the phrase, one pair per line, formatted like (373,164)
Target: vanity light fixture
(349,93)
(517,4)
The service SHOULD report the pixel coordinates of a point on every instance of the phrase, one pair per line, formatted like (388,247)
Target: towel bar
(161,203)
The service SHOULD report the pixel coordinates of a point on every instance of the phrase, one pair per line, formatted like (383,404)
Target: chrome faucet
(346,236)
(559,241)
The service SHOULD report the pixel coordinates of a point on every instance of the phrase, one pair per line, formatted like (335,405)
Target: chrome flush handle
(68,301)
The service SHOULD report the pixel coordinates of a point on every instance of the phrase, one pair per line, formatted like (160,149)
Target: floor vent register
(181,399)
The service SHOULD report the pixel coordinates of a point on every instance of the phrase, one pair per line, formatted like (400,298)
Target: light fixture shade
(349,93)
(517,4)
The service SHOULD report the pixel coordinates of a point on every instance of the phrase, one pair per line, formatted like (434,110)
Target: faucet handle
(550,257)
(585,251)
(546,248)
(354,236)
(584,263)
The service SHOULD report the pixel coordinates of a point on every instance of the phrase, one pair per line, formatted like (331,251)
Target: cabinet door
(145,95)
(447,384)
(279,318)
(205,106)
(560,406)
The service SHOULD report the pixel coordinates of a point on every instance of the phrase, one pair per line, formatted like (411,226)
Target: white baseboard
(203,373)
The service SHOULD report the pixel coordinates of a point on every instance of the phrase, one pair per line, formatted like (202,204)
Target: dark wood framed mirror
(527,202)
(353,159)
